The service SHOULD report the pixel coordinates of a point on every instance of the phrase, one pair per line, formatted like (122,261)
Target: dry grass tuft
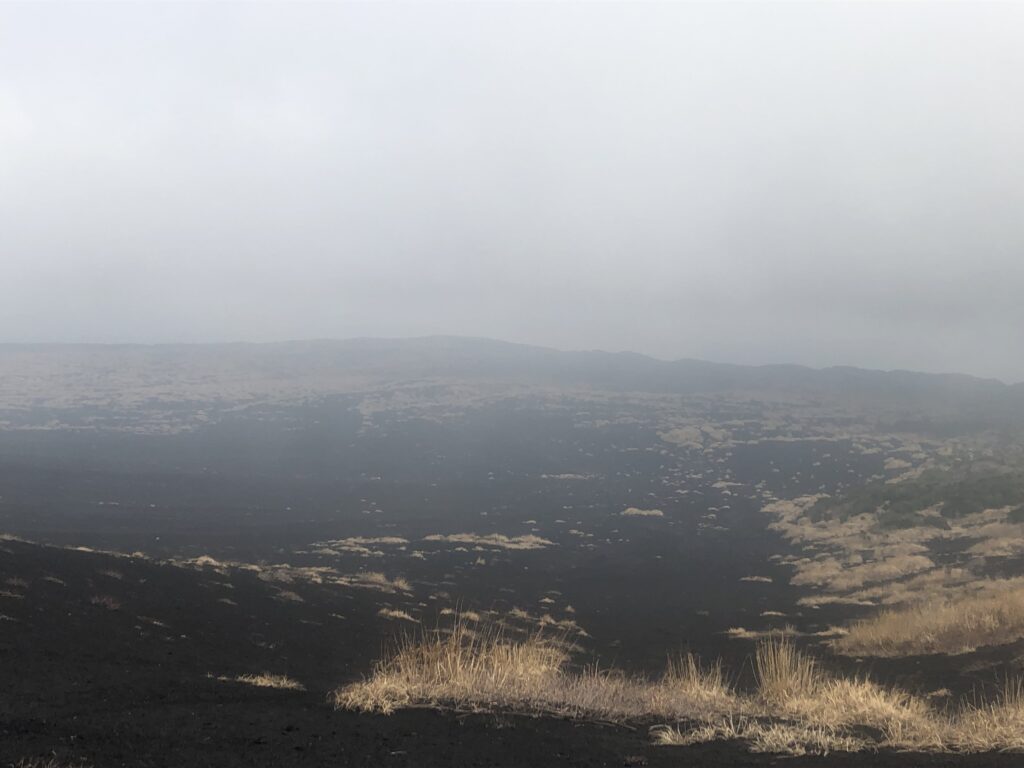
(460,668)
(496,540)
(772,737)
(379,580)
(802,710)
(485,669)
(391,613)
(958,625)
(635,512)
(782,671)
(999,724)
(796,709)
(268,680)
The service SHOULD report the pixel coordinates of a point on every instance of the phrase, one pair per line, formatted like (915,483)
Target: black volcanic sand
(105,686)
(114,661)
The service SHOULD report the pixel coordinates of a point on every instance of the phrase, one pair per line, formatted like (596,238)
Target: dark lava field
(169,533)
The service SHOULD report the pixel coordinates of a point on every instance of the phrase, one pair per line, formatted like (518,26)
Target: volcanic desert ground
(466,553)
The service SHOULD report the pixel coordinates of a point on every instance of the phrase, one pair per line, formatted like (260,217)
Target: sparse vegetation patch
(796,708)
(959,625)
(497,540)
(634,512)
(267,680)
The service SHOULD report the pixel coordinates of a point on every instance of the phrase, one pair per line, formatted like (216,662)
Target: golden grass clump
(792,685)
(796,708)
(995,725)
(496,540)
(763,736)
(635,512)
(377,580)
(799,709)
(782,671)
(461,667)
(939,626)
(391,613)
(483,668)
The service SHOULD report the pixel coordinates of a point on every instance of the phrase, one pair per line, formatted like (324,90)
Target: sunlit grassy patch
(486,669)
(796,707)
(955,625)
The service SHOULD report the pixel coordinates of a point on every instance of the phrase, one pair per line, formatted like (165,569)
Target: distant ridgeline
(192,378)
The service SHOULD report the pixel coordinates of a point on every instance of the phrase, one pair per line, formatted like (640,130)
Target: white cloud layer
(815,183)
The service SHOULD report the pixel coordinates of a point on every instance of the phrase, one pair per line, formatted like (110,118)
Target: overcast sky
(812,183)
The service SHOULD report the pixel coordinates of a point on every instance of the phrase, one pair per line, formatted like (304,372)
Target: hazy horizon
(814,184)
(491,340)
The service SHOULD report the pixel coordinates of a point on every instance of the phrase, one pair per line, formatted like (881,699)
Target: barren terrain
(201,544)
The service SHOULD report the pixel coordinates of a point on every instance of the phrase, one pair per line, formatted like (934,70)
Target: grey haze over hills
(821,183)
(42,376)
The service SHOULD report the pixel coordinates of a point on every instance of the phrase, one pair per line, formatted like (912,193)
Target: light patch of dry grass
(284,573)
(769,737)
(377,580)
(268,680)
(998,724)
(959,625)
(487,670)
(464,615)
(204,561)
(796,709)
(742,633)
(884,570)
(816,601)
(634,512)
(566,625)
(939,583)
(497,540)
(859,561)
(359,545)
(391,613)
(782,671)
(1012,546)
(802,710)
(892,463)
